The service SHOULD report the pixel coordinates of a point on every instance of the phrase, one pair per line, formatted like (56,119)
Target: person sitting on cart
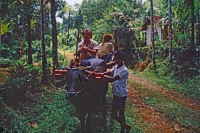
(87,48)
(106,48)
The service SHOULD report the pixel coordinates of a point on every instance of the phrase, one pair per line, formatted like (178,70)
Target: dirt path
(190,103)
(157,122)
(67,54)
(3,74)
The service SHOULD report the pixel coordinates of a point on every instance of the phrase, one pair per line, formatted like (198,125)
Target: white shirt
(105,49)
(92,45)
(119,86)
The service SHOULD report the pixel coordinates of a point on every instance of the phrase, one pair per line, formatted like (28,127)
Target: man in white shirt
(87,48)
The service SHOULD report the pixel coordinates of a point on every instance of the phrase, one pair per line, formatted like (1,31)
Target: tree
(190,4)
(152,34)
(22,16)
(78,23)
(54,35)
(0,26)
(126,22)
(44,60)
(29,38)
(198,32)
(170,31)
(28,9)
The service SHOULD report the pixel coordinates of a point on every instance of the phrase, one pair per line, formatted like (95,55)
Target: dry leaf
(177,128)
(32,124)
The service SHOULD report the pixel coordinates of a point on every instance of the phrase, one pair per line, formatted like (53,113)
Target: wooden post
(115,43)
(76,56)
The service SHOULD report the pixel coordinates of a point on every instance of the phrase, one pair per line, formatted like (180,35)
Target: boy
(119,80)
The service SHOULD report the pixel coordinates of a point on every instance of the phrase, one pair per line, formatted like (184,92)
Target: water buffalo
(85,94)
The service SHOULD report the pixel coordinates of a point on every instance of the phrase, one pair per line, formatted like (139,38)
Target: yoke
(94,64)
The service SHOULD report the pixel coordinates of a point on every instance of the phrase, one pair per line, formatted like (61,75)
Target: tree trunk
(192,24)
(44,60)
(68,26)
(198,35)
(170,31)
(0,31)
(29,39)
(54,35)
(152,35)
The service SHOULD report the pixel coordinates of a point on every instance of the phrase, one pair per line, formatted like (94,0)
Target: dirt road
(159,123)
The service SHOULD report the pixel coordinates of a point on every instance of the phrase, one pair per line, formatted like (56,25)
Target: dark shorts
(119,102)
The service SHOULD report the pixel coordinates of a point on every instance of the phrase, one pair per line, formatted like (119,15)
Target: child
(119,80)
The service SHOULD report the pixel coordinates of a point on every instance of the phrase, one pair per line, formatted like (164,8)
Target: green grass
(54,114)
(177,112)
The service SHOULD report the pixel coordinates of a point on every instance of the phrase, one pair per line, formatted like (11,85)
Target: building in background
(146,33)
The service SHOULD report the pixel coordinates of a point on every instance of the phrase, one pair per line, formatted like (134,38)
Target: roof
(148,21)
